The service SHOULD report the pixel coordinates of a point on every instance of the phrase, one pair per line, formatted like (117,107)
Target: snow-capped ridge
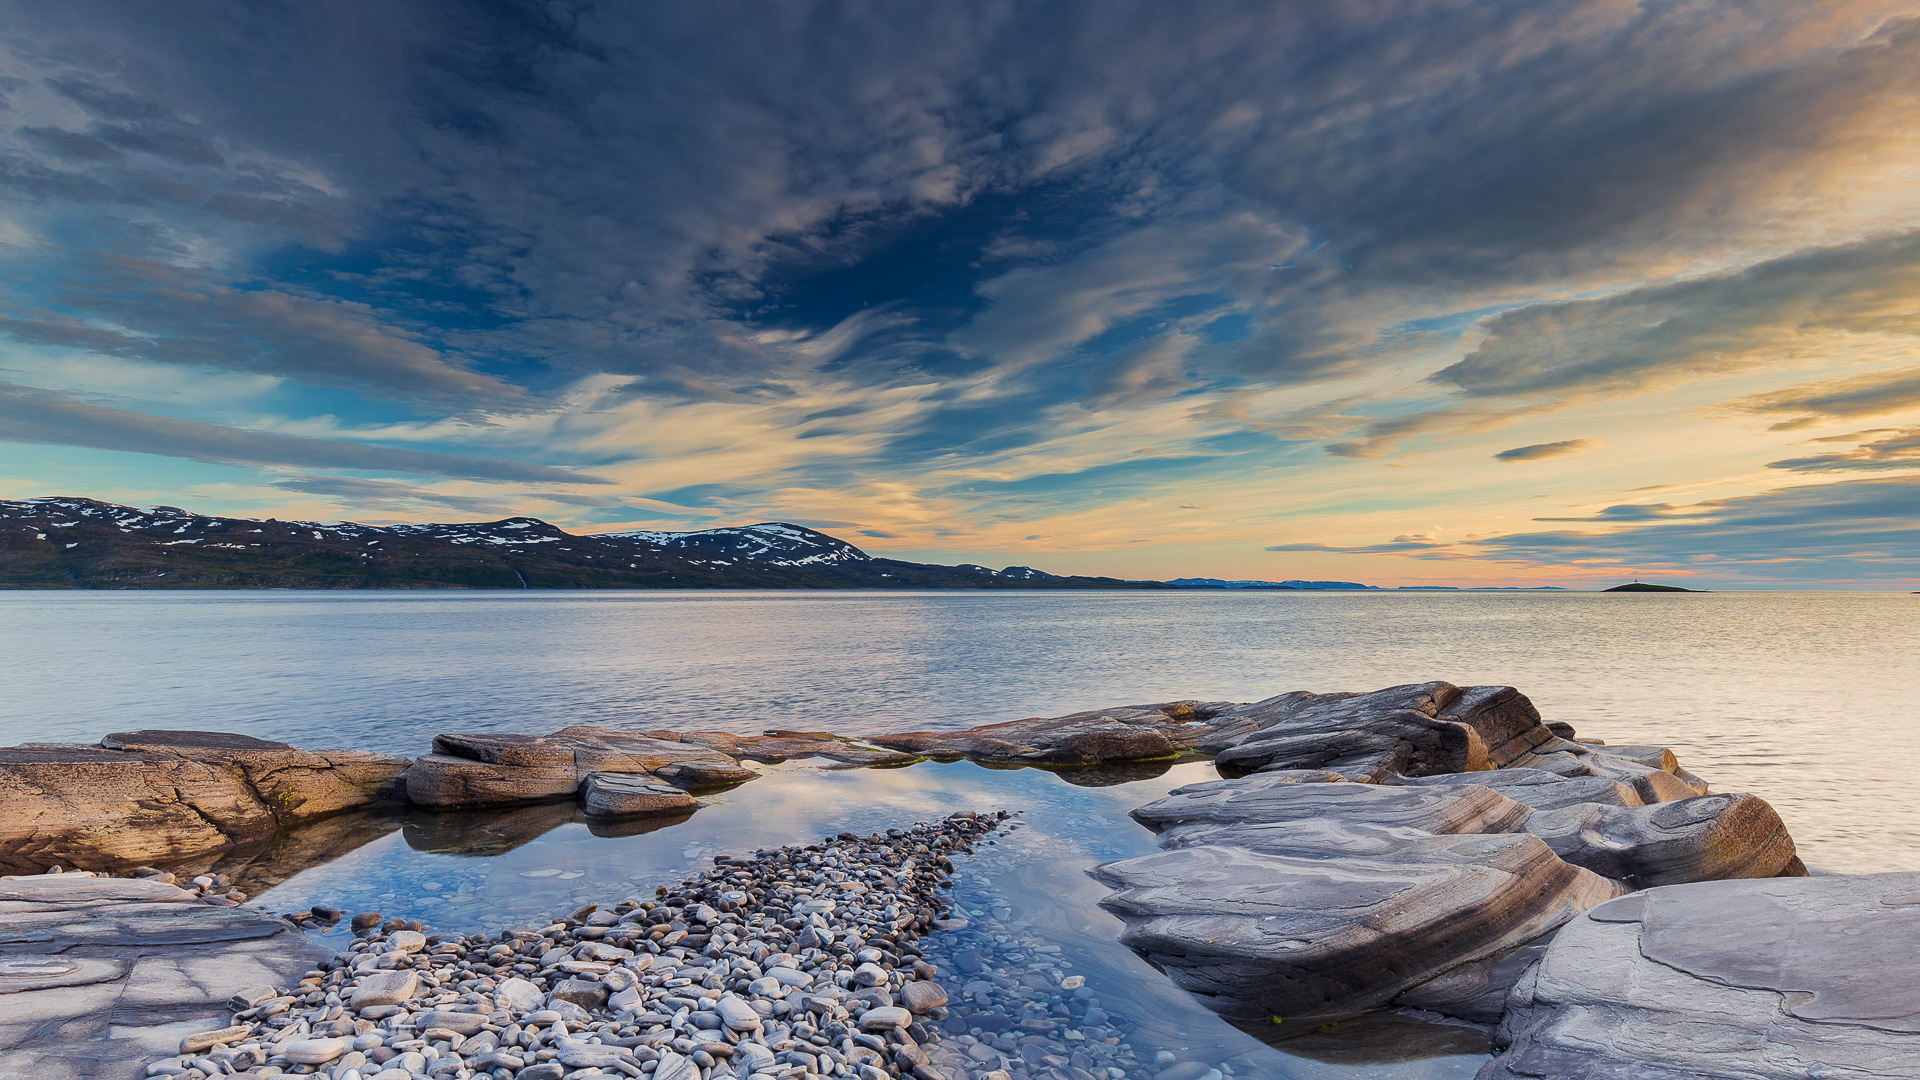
(776,543)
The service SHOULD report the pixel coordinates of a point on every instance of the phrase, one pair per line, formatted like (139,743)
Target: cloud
(1871,394)
(953,256)
(1796,307)
(178,316)
(1542,451)
(1900,450)
(1400,545)
(365,494)
(29,415)
(1848,530)
(1626,512)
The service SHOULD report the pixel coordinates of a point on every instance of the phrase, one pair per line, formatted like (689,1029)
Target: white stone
(674,1067)
(313,1051)
(884,1017)
(1073,982)
(520,995)
(385,988)
(737,1014)
(406,941)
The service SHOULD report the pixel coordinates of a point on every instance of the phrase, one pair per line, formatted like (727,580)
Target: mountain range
(67,543)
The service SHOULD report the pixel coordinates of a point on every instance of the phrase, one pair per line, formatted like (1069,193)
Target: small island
(1641,586)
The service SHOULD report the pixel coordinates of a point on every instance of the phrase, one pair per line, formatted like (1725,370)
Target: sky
(1500,292)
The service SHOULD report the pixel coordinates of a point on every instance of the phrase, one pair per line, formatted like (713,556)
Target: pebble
(313,1051)
(780,963)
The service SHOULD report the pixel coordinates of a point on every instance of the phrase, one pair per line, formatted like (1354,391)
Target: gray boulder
(1781,979)
(1280,797)
(1698,839)
(1307,937)
(156,797)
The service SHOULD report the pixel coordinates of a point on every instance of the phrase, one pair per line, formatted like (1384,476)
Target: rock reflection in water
(1382,1038)
(1033,920)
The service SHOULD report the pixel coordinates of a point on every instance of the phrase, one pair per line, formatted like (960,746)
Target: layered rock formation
(1412,845)
(1767,980)
(1129,733)
(167,796)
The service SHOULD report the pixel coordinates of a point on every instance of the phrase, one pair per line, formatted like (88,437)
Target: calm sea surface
(1811,700)
(1807,699)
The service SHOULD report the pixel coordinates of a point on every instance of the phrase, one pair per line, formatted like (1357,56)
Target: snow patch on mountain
(775,543)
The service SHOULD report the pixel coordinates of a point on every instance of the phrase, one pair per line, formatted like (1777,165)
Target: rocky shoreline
(1426,848)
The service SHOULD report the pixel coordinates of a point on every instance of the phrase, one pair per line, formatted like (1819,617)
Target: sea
(1807,699)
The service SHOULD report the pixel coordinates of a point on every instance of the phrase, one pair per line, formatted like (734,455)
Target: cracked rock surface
(100,975)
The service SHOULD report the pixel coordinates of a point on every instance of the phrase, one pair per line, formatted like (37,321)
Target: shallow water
(1031,906)
(1803,698)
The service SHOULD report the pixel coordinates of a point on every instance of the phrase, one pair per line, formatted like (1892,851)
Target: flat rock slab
(1781,978)
(778,746)
(155,797)
(488,768)
(1307,937)
(99,976)
(1281,797)
(1130,733)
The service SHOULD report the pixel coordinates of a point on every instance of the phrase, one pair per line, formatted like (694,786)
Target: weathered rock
(1536,788)
(777,746)
(1399,728)
(1698,839)
(487,768)
(1317,938)
(439,780)
(1507,722)
(167,796)
(1767,980)
(1132,733)
(1278,797)
(625,795)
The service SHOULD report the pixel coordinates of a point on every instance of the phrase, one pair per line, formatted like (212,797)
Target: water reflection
(1031,907)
